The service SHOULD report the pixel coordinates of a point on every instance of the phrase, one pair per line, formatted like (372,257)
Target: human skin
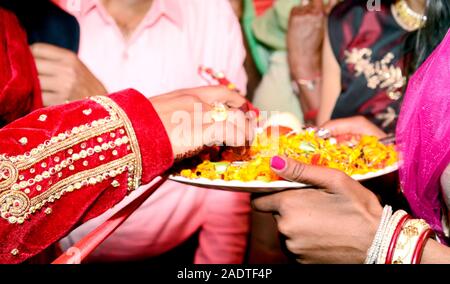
(62,75)
(333,223)
(305,36)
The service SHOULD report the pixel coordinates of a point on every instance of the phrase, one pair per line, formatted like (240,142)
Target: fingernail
(277,163)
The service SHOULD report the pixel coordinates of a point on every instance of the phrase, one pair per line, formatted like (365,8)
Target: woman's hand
(335,223)
(188,116)
(353,125)
(305,36)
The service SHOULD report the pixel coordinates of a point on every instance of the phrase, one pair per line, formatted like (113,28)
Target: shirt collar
(167,8)
(87,6)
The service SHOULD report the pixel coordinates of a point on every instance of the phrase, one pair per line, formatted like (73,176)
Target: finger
(48,67)
(331,180)
(237,129)
(244,125)
(237,136)
(214,94)
(353,125)
(52,98)
(337,127)
(226,133)
(267,204)
(169,104)
(49,83)
(49,52)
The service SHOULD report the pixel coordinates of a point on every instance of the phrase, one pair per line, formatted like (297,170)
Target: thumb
(331,180)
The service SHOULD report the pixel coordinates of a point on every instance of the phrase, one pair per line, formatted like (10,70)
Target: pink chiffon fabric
(423,136)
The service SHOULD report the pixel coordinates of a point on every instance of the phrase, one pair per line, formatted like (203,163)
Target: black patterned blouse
(369,46)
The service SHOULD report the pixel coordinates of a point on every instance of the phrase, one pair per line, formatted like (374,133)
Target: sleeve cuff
(154,143)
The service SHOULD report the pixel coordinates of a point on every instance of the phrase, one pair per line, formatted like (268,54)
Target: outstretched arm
(66,164)
(63,165)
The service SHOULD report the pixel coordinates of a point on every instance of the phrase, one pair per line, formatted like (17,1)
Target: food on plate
(356,155)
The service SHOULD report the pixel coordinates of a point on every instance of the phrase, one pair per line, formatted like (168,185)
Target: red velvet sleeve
(19,86)
(62,165)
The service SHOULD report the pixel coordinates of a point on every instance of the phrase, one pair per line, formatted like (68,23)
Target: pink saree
(423,136)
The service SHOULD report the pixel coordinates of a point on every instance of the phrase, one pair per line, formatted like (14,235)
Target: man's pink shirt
(163,54)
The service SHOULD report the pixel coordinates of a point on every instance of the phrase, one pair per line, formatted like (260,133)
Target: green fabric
(270,28)
(275,93)
(259,53)
(267,32)
(266,36)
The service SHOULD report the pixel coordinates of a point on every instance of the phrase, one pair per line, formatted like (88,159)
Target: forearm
(69,163)
(435,253)
(309,92)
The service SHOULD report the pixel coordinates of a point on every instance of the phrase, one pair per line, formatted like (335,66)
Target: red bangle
(394,238)
(417,255)
(310,115)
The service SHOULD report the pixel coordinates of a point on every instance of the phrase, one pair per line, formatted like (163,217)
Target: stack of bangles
(400,239)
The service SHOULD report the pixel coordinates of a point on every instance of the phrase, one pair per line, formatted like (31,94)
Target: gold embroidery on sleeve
(110,105)
(15,204)
(8,174)
(64,141)
(68,162)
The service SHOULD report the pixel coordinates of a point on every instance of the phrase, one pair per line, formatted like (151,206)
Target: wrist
(434,252)
(376,233)
(310,115)
(399,239)
(313,74)
(307,84)
(306,68)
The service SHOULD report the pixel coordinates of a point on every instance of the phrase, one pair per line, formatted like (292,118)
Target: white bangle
(374,250)
(388,234)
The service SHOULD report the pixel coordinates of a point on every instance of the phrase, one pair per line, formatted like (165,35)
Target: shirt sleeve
(223,238)
(63,165)
(234,51)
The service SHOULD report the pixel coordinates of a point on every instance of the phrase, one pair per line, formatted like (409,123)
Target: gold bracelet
(410,242)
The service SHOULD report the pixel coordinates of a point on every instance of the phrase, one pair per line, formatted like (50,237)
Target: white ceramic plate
(264,187)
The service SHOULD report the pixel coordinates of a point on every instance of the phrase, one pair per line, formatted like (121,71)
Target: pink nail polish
(277,163)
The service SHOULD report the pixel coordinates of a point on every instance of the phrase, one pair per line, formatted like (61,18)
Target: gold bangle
(408,241)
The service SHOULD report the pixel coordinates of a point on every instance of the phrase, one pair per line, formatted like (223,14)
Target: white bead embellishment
(42,117)
(87,111)
(23,140)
